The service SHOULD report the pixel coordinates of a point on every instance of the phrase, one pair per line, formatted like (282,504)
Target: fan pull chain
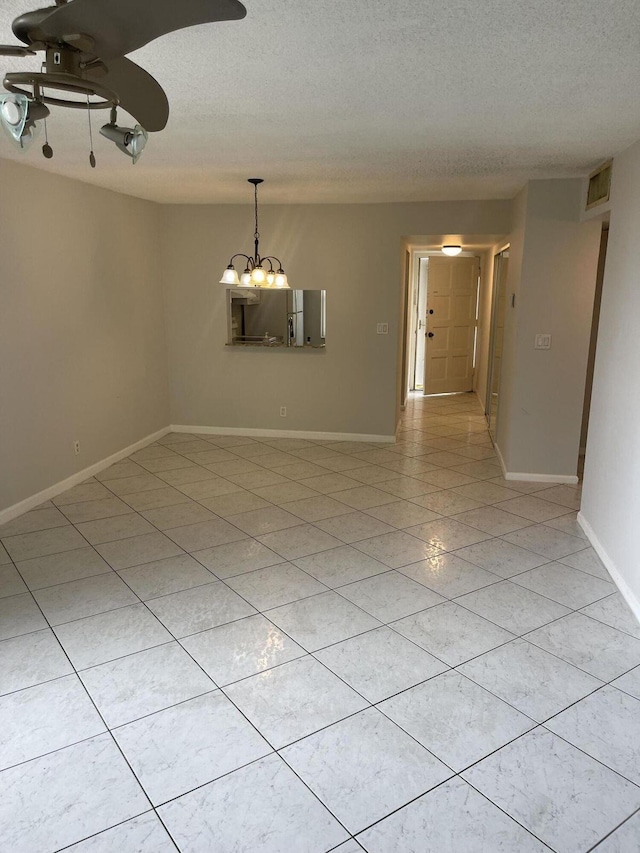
(92,156)
(47,150)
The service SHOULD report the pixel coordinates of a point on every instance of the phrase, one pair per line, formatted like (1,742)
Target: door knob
(430,335)
(430,310)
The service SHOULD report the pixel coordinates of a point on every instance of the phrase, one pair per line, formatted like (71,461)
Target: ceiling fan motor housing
(63,59)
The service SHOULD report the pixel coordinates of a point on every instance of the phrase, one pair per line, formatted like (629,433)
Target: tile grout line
(369,705)
(216,579)
(614,830)
(107,728)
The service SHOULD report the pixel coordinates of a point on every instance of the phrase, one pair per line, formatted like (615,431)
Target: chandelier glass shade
(264,272)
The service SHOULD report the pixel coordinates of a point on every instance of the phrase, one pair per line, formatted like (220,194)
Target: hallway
(264,645)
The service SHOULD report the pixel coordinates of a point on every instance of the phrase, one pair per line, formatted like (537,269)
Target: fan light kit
(452,251)
(255,275)
(131,141)
(85,43)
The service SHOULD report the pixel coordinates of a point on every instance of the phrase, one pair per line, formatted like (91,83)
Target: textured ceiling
(372,101)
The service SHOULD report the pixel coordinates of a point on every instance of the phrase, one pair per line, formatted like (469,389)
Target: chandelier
(255,274)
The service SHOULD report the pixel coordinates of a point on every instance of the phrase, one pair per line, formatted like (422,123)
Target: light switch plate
(543,342)
(382,328)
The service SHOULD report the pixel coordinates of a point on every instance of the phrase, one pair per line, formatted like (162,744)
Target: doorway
(444,323)
(498,310)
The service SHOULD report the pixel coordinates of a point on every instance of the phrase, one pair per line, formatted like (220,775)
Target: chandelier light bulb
(258,276)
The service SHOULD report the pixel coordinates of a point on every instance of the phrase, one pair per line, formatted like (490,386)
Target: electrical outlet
(543,342)
(382,329)
(283,411)
(76,447)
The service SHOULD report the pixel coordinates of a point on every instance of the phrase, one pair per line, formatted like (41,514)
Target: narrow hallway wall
(552,274)
(611,495)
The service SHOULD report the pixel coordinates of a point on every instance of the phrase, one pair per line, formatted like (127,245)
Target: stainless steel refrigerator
(295,318)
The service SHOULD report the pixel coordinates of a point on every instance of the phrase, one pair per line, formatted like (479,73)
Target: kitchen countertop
(261,345)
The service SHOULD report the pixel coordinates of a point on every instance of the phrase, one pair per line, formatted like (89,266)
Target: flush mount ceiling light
(84,44)
(255,274)
(452,251)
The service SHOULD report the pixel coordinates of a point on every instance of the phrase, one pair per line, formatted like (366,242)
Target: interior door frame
(497,269)
(419,322)
(406,344)
(411,309)
(415,256)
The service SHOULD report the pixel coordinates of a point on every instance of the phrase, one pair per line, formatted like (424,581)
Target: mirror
(276,318)
(498,308)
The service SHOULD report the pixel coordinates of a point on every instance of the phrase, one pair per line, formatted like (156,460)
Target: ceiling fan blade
(118,27)
(138,92)
(15,50)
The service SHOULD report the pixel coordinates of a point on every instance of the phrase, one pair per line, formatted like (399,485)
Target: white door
(452,299)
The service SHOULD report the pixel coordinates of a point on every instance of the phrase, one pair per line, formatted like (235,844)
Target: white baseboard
(14,511)
(284,433)
(625,590)
(569,479)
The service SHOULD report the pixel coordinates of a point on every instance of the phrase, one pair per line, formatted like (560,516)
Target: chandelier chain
(257,233)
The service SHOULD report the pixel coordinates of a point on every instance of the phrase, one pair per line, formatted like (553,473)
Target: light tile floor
(290,646)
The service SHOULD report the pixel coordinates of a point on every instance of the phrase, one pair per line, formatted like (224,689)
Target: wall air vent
(599,185)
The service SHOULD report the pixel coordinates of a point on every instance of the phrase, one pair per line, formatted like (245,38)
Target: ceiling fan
(85,43)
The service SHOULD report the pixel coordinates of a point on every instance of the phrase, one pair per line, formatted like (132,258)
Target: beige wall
(352,251)
(611,494)
(82,340)
(552,271)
